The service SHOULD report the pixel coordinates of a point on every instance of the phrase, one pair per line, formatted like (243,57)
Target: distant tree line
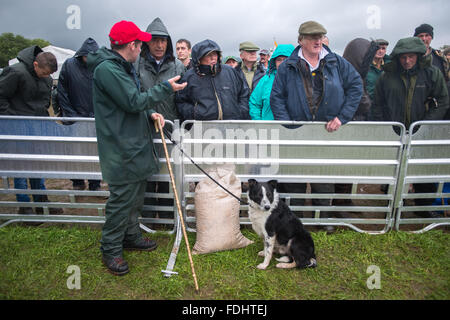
(11,44)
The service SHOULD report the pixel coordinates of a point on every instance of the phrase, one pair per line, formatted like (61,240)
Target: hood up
(202,48)
(281,50)
(157,29)
(88,46)
(28,55)
(360,53)
(408,45)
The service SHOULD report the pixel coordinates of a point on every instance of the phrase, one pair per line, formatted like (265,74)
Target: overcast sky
(67,23)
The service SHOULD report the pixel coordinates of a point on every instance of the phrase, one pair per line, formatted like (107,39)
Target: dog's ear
(273,183)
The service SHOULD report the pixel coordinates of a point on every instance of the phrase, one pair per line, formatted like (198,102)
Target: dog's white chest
(258,219)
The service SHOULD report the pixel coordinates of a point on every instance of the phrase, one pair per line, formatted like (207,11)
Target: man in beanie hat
(123,119)
(249,69)
(315,84)
(426,33)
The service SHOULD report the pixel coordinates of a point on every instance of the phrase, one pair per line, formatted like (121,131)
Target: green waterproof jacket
(124,138)
(411,95)
(151,74)
(373,75)
(22,92)
(259,103)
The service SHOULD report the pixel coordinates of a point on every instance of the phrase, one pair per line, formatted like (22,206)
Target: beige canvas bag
(217,212)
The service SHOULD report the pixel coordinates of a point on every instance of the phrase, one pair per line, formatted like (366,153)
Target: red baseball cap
(126,31)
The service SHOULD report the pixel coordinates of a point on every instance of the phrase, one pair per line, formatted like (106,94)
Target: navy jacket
(75,84)
(342,91)
(208,89)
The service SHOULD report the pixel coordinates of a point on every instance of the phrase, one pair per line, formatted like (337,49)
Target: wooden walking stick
(177,200)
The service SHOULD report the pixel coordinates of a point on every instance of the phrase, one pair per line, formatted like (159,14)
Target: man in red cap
(123,119)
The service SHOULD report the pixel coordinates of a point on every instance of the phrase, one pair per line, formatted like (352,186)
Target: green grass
(34,261)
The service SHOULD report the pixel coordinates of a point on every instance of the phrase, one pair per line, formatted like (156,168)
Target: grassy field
(34,263)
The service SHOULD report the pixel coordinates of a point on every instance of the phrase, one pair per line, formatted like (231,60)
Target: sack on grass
(217,213)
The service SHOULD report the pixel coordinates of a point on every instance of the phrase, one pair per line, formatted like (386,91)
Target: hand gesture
(177,86)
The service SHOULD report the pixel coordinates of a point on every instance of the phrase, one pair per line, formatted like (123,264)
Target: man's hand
(158,117)
(333,125)
(177,86)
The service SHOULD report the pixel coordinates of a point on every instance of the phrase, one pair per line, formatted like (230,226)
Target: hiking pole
(177,200)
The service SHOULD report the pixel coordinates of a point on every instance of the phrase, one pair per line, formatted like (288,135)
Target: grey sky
(229,22)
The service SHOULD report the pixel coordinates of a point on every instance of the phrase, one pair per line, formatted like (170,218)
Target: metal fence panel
(359,153)
(42,147)
(427,160)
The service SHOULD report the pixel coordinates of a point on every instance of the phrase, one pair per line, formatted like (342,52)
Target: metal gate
(41,147)
(427,160)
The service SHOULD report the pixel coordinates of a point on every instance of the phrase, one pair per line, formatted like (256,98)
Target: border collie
(281,230)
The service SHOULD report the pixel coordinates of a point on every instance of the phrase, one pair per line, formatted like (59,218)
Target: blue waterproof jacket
(342,91)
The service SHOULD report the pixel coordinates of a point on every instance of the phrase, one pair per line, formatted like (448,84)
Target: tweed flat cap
(311,27)
(248,46)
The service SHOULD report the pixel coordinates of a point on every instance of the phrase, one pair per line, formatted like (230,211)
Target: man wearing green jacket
(124,136)
(411,89)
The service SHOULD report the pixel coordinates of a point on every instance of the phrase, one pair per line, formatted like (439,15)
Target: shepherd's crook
(177,200)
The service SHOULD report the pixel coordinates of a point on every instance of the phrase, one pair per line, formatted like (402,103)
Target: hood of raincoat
(27,56)
(89,46)
(157,29)
(281,50)
(201,49)
(408,45)
(360,53)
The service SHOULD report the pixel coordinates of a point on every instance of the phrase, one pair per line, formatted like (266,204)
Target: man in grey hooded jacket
(155,65)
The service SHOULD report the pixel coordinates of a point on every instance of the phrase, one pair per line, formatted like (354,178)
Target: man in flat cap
(376,67)
(249,69)
(315,84)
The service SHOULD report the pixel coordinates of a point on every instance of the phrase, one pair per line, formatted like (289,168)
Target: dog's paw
(283,259)
(286,265)
(262,266)
(261,254)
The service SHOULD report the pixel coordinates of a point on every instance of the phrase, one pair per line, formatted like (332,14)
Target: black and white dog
(281,230)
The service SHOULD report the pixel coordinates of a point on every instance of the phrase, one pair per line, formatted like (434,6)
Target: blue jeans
(35,183)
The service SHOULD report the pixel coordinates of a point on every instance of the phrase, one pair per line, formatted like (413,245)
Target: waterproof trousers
(122,212)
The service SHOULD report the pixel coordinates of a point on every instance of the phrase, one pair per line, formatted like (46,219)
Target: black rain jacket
(75,84)
(216,93)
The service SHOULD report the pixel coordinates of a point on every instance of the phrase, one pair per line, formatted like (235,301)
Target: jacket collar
(292,61)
